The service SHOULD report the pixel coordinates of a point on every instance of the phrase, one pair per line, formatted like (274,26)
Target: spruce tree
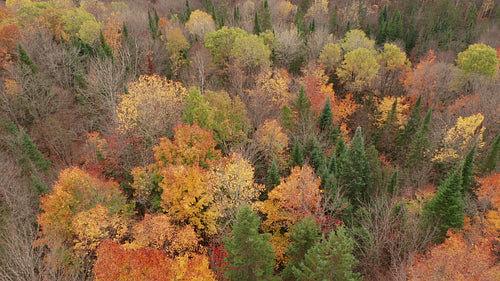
(297,155)
(467,171)
(445,210)
(34,154)
(330,259)
(250,256)
(24,58)
(265,16)
(334,19)
(355,170)
(273,178)
(420,143)
(105,50)
(491,160)
(392,186)
(411,125)
(256,25)
(303,236)
(326,117)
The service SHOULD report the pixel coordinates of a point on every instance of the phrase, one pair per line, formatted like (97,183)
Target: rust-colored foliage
(9,33)
(114,262)
(459,258)
(112,31)
(421,80)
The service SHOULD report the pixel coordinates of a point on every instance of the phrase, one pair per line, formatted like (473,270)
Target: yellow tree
(81,212)
(199,24)
(356,39)
(273,86)
(233,187)
(393,62)
(384,108)
(112,31)
(152,107)
(359,69)
(271,140)
(187,196)
(460,138)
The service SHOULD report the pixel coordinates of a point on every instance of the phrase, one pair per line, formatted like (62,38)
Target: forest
(249,140)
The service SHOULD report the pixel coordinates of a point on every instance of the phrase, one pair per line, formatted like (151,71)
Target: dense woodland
(249,140)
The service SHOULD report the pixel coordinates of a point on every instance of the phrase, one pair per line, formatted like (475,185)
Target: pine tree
(411,125)
(467,171)
(302,107)
(312,26)
(265,16)
(153,24)
(34,154)
(24,58)
(250,256)
(303,236)
(445,210)
(299,21)
(330,259)
(355,170)
(297,155)
(420,143)
(326,117)
(491,160)
(334,19)
(273,178)
(256,24)
(105,50)
(392,186)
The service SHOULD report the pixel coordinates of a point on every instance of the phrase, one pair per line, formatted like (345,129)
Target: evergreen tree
(187,13)
(273,178)
(153,24)
(348,26)
(491,160)
(445,210)
(236,14)
(297,155)
(34,154)
(250,256)
(334,19)
(265,16)
(467,171)
(256,25)
(302,106)
(411,125)
(303,236)
(24,58)
(420,143)
(326,117)
(105,50)
(385,137)
(392,186)
(299,21)
(355,170)
(312,26)
(382,27)
(330,259)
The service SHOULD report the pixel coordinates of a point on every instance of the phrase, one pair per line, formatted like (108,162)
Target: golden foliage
(274,86)
(112,31)
(152,107)
(271,139)
(200,23)
(460,138)
(384,108)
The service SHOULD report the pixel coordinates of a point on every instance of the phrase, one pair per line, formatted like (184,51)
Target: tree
(273,178)
(297,155)
(358,69)
(355,170)
(356,39)
(296,197)
(420,144)
(326,117)
(445,210)
(250,52)
(249,254)
(304,235)
(491,160)
(220,44)
(330,56)
(330,259)
(199,24)
(421,80)
(458,139)
(271,140)
(234,187)
(467,171)
(152,107)
(187,196)
(480,59)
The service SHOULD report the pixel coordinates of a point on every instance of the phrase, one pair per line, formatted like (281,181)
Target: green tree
(491,160)
(359,69)
(265,16)
(250,256)
(297,155)
(220,43)
(467,171)
(153,24)
(330,259)
(25,59)
(480,59)
(326,117)
(420,144)
(445,210)
(256,25)
(303,236)
(392,186)
(273,178)
(411,126)
(355,170)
